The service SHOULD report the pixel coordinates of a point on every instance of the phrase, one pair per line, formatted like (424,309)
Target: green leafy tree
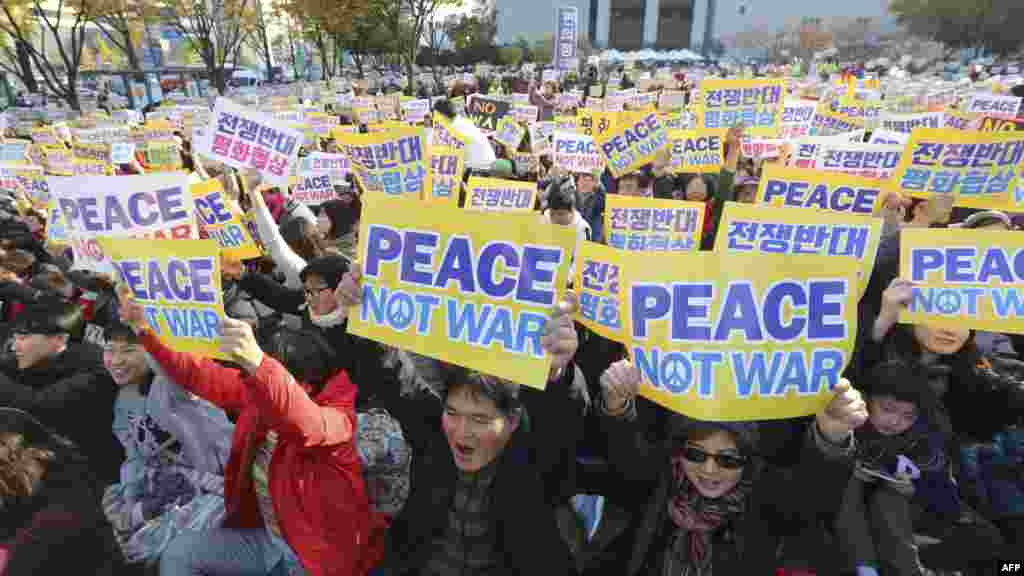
(510,55)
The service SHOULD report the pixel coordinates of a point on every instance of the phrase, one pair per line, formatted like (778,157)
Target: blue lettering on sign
(528,271)
(957,265)
(398,310)
(817,309)
(183,280)
(674,371)
(86,210)
(212,210)
(957,301)
(840,199)
(230,236)
(771,374)
(191,323)
(1007,303)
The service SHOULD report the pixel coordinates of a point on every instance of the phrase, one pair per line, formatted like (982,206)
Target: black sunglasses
(726,461)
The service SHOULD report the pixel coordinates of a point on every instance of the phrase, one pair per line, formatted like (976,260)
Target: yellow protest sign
(653,225)
(443,134)
(56,231)
(220,219)
(696,152)
(597,285)
(964,279)
(632,142)
(595,123)
(566,123)
(757,104)
(498,195)
(178,284)
(748,229)
(732,337)
(446,168)
(806,188)
(827,122)
(45,136)
(160,156)
(979,168)
(463,287)
(97,152)
(80,167)
(58,159)
(393,163)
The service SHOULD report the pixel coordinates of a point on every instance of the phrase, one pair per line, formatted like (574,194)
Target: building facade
(618,24)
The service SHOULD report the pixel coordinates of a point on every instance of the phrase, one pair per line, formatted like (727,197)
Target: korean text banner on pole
(757,104)
(747,229)
(221,220)
(696,152)
(178,284)
(463,287)
(804,188)
(653,225)
(244,138)
(567,25)
(392,163)
(577,153)
(979,168)
(157,205)
(770,343)
(964,279)
(498,195)
(633,141)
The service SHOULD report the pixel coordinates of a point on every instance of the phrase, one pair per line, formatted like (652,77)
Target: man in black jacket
(63,383)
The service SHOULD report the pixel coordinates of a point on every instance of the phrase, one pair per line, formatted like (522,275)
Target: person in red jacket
(293,487)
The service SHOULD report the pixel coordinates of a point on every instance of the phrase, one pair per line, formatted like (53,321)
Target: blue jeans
(225,552)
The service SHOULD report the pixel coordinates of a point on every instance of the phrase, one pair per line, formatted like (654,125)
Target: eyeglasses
(726,461)
(476,421)
(310,292)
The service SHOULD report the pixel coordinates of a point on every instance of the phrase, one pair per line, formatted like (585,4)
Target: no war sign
(964,279)
(464,287)
(767,342)
(805,188)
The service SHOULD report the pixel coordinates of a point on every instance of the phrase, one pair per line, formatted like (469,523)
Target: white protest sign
(313,189)
(993,105)
(122,152)
(577,153)
(148,206)
(243,138)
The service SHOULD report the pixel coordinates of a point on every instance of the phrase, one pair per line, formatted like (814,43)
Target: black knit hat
(906,382)
(330,268)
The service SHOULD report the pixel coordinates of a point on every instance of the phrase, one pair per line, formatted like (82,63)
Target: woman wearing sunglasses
(703,500)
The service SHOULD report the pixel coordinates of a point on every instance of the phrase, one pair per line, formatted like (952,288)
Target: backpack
(386,458)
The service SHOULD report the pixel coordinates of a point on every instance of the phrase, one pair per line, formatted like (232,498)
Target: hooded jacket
(73,393)
(315,479)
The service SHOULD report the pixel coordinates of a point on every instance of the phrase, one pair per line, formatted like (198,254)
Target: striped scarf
(695,520)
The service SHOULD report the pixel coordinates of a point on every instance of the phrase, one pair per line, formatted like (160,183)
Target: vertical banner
(463,287)
(734,337)
(979,169)
(566,25)
(178,284)
(964,279)
(598,285)
(653,225)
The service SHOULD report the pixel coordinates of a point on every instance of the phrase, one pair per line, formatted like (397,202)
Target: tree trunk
(266,48)
(219,79)
(25,63)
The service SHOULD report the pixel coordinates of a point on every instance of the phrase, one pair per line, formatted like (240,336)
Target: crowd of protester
(315,451)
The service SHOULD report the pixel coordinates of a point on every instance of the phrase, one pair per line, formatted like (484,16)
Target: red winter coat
(315,479)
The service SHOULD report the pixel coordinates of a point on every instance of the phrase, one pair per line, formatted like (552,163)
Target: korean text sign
(696,152)
(577,153)
(150,206)
(244,138)
(769,343)
(633,141)
(567,21)
(498,195)
(747,229)
(867,160)
(804,188)
(653,225)
(178,284)
(464,287)
(979,169)
(597,284)
(394,162)
(221,220)
(964,279)
(446,167)
(755,103)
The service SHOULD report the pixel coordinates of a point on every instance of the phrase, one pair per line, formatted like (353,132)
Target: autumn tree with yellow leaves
(214,28)
(325,23)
